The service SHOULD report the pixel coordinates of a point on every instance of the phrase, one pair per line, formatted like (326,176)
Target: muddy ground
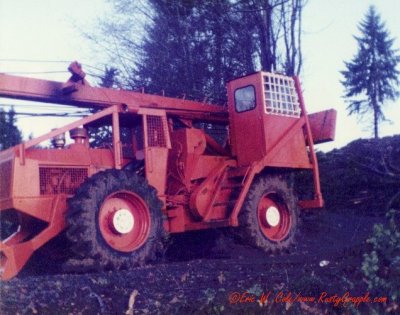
(326,258)
(216,275)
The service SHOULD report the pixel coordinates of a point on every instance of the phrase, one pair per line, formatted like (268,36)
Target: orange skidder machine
(159,170)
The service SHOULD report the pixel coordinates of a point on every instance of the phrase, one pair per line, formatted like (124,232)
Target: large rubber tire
(269,216)
(91,225)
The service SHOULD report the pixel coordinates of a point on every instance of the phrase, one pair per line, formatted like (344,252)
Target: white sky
(51,30)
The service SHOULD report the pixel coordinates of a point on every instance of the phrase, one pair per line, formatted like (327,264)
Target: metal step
(224,203)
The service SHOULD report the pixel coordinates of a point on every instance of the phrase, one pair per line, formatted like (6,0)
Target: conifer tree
(10,135)
(191,48)
(371,77)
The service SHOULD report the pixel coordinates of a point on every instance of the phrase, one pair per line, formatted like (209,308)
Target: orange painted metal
(201,182)
(94,97)
(19,247)
(276,140)
(323,125)
(273,232)
(318,201)
(135,236)
(205,196)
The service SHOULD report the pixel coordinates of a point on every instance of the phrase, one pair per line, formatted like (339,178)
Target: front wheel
(115,219)
(269,216)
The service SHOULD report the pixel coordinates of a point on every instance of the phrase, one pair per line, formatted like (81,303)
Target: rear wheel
(269,216)
(115,219)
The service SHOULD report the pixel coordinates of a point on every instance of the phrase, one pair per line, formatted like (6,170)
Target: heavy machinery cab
(265,112)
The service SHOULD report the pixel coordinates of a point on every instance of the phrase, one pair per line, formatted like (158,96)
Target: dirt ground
(327,258)
(213,274)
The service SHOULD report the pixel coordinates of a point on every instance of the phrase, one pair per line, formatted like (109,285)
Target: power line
(92,67)
(49,111)
(49,72)
(46,61)
(12,60)
(94,75)
(65,115)
(33,61)
(38,107)
(35,72)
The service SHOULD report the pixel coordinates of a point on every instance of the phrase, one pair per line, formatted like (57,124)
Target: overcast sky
(50,30)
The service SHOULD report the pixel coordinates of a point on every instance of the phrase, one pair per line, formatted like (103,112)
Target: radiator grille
(60,180)
(156,131)
(5,179)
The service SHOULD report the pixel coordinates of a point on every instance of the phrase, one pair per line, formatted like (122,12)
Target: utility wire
(51,111)
(77,114)
(35,72)
(85,65)
(91,73)
(38,107)
(33,61)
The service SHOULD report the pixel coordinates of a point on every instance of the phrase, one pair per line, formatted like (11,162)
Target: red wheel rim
(274,217)
(124,221)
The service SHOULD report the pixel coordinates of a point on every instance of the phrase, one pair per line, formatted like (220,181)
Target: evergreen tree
(191,48)
(10,135)
(110,77)
(101,136)
(371,77)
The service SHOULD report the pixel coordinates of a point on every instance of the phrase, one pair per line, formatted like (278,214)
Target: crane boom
(77,92)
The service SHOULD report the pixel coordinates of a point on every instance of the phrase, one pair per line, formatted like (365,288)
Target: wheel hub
(272,216)
(123,221)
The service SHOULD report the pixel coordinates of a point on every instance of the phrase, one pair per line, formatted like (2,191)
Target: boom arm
(76,92)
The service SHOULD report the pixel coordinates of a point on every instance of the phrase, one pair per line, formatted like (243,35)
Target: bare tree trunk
(292,36)
(301,4)
(264,25)
(376,119)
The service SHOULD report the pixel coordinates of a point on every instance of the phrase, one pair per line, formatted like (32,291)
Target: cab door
(246,119)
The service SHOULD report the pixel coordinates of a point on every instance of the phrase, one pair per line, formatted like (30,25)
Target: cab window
(245,98)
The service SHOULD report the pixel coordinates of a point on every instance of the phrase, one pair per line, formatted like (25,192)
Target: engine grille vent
(156,129)
(61,180)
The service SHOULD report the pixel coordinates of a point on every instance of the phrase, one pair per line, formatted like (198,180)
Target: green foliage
(372,77)
(101,136)
(192,48)
(110,77)
(10,135)
(381,265)
(181,55)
